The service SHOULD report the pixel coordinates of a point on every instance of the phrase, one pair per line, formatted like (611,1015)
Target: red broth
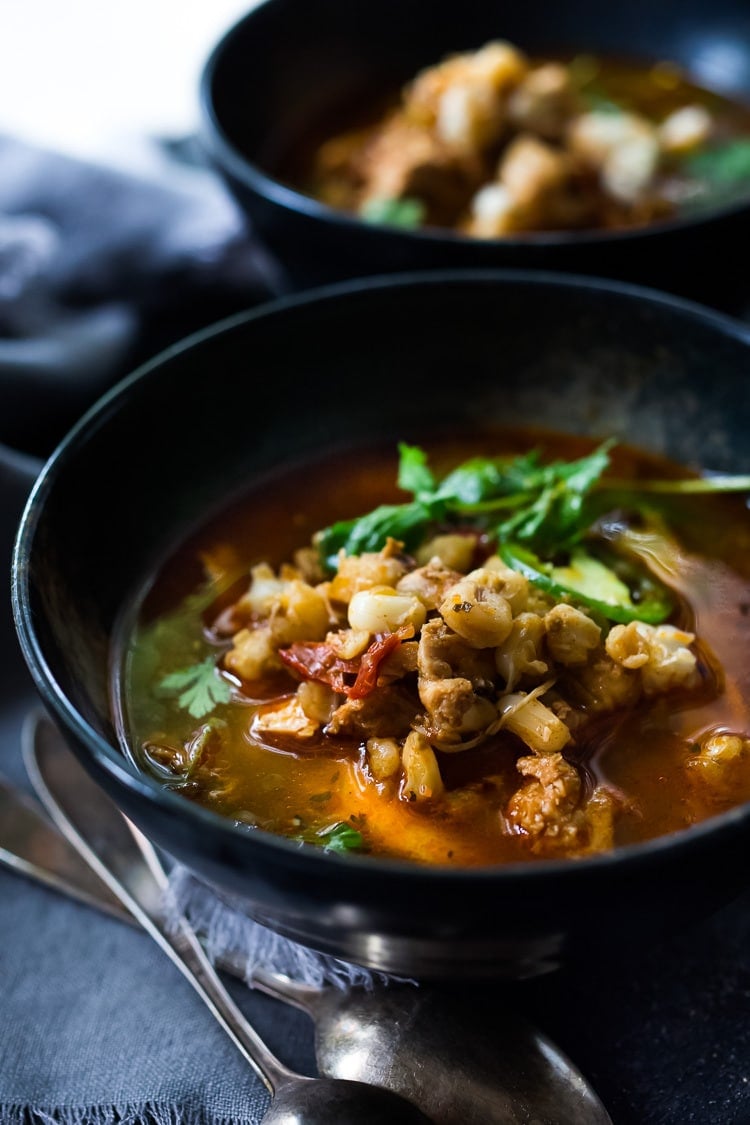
(640,756)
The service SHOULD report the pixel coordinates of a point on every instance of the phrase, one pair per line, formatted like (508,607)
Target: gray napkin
(102,267)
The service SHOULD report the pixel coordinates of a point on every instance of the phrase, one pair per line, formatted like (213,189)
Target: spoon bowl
(464,1064)
(331,1101)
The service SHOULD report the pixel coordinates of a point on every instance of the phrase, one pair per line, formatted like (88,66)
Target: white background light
(77,75)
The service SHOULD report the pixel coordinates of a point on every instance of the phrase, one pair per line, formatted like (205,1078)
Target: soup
(533,648)
(492,144)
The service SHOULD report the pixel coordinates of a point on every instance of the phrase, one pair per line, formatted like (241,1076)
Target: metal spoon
(115,850)
(464,1065)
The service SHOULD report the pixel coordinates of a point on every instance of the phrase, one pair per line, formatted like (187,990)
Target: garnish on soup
(532,655)
(493,144)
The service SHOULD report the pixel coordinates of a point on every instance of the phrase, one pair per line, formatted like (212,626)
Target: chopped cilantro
(341,838)
(414,474)
(199,688)
(406,213)
(722,165)
(547,502)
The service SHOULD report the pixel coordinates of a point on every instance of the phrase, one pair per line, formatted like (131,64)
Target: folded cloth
(100,268)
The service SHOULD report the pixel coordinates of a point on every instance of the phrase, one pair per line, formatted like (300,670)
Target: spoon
(116,851)
(464,1064)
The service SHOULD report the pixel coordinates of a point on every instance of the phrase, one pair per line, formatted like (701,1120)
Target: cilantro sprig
(546,502)
(537,514)
(199,688)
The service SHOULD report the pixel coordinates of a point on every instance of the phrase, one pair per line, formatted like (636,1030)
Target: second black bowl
(289,62)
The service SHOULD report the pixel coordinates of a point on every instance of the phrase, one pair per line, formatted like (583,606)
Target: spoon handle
(281,987)
(127,863)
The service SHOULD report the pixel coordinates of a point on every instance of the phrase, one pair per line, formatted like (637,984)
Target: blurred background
(85,76)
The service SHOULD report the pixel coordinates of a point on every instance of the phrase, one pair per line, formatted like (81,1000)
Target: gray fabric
(101,267)
(95,1017)
(225,928)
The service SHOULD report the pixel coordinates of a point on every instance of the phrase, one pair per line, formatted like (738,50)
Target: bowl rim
(252,175)
(307,857)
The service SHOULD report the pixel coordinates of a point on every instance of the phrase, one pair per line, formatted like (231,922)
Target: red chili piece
(316,660)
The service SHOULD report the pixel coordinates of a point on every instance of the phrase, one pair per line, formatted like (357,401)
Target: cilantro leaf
(341,838)
(405,213)
(549,502)
(725,164)
(557,515)
(483,479)
(414,474)
(405,522)
(199,688)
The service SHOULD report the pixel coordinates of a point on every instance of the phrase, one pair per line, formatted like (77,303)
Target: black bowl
(291,61)
(380,359)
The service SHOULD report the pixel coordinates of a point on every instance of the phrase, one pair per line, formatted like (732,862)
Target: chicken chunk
(544,101)
(454,709)
(550,810)
(253,654)
(443,654)
(387,712)
(543,805)
(405,161)
(286,719)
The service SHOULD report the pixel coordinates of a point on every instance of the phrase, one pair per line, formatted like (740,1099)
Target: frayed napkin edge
(145,1113)
(226,929)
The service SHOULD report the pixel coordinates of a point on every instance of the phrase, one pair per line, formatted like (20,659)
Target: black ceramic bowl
(379,359)
(291,61)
